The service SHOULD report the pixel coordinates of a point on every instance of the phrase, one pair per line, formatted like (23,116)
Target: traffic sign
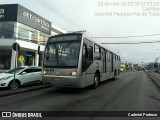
(21,58)
(16,46)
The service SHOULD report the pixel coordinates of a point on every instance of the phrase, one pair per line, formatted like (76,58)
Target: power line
(134,42)
(59,13)
(130,36)
(62,15)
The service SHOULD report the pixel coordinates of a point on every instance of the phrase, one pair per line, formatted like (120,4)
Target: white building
(29,30)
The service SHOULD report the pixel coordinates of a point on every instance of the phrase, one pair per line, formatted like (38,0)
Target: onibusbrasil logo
(21,114)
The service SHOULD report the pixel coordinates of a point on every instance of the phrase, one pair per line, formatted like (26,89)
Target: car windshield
(18,69)
(62,54)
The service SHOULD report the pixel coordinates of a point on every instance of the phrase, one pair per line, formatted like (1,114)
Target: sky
(107,21)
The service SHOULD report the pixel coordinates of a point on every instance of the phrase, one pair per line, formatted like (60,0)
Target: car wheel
(14,85)
(96,81)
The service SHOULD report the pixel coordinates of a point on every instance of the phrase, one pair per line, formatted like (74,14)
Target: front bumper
(63,81)
(3,84)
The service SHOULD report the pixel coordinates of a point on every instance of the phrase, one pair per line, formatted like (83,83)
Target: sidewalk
(24,89)
(154,76)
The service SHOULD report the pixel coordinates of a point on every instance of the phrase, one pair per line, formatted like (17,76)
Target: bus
(73,60)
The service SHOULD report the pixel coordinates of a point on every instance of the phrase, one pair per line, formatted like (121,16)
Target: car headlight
(5,78)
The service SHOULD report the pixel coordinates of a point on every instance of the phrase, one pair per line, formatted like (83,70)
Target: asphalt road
(132,91)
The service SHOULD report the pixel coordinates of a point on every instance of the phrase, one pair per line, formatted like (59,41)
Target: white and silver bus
(72,60)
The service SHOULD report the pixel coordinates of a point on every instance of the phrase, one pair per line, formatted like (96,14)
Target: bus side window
(90,53)
(84,52)
(87,53)
(87,57)
(97,52)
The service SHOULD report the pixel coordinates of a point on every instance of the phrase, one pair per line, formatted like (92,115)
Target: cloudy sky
(107,21)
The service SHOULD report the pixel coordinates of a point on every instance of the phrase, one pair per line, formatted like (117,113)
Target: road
(132,91)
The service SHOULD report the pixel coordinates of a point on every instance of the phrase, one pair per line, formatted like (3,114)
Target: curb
(13,92)
(155,79)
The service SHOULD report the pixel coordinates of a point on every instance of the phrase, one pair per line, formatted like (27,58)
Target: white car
(23,75)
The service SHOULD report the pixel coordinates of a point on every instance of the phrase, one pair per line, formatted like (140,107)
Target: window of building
(29,58)
(23,34)
(43,38)
(27,33)
(7,29)
(5,59)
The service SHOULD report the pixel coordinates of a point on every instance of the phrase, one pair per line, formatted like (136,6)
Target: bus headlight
(74,73)
(44,72)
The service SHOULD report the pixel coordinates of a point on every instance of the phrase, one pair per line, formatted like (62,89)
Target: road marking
(85,97)
(123,78)
(8,96)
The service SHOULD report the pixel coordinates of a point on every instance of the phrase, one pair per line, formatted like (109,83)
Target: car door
(37,74)
(27,76)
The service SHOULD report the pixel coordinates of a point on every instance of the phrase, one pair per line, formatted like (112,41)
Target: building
(29,30)
(123,67)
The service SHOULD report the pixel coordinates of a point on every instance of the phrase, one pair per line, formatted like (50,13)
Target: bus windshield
(62,54)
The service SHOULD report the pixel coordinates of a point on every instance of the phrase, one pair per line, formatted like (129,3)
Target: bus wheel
(96,81)
(115,75)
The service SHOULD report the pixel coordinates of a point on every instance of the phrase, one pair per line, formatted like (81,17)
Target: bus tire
(96,81)
(115,75)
